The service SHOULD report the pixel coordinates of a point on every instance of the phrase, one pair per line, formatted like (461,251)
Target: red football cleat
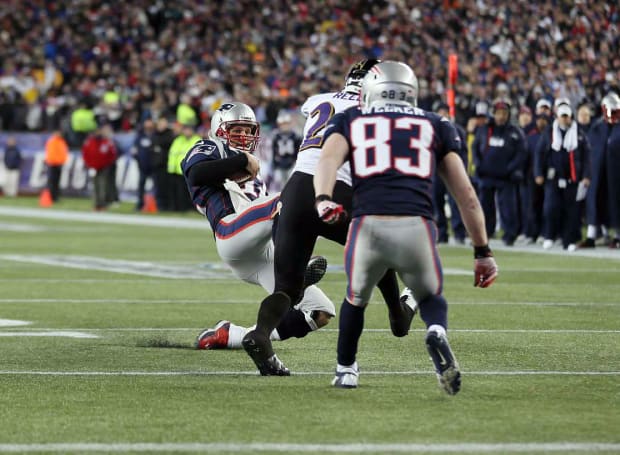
(215,338)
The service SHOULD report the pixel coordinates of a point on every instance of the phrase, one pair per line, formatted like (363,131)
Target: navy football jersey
(215,202)
(285,146)
(393,151)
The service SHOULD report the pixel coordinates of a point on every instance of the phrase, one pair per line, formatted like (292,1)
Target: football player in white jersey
(298,227)
(222,177)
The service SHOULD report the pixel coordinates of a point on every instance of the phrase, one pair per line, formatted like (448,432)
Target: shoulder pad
(206,147)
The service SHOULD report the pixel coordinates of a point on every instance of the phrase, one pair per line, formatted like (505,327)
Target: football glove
(329,212)
(485,267)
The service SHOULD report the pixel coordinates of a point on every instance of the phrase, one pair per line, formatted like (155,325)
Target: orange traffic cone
(45,199)
(150,206)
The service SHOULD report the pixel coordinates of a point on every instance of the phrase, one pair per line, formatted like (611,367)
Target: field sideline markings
(143,268)
(257,301)
(51,333)
(217,447)
(201,224)
(301,373)
(195,329)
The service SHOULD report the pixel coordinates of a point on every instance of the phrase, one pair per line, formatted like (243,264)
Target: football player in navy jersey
(222,177)
(394,149)
(298,228)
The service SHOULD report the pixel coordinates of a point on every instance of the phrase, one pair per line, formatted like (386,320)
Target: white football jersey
(318,110)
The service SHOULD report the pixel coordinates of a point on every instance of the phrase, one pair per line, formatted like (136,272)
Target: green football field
(99,312)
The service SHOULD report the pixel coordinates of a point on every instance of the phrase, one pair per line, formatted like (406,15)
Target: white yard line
(207,301)
(152,269)
(50,333)
(238,447)
(301,373)
(107,218)
(190,329)
(197,223)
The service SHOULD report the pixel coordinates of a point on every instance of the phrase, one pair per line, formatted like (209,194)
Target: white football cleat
(346,376)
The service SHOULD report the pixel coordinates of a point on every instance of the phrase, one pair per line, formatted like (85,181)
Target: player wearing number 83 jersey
(394,149)
(394,153)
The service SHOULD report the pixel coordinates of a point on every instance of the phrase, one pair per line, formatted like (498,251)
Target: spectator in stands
(83,122)
(562,163)
(584,117)
(56,155)
(12,164)
(182,143)
(571,88)
(186,115)
(162,56)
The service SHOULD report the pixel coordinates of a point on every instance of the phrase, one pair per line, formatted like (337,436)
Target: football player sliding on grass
(222,175)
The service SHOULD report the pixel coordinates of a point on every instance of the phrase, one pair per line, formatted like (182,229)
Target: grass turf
(539,350)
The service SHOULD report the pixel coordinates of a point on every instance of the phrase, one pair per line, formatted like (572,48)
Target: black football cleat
(586,243)
(260,351)
(400,325)
(315,270)
(446,366)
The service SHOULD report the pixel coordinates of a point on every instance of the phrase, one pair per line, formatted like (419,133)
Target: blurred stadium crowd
(76,65)
(140,59)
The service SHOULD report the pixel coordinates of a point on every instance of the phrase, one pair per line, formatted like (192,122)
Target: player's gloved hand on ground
(329,212)
(485,267)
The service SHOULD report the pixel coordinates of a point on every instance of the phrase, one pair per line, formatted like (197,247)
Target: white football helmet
(610,105)
(230,115)
(391,82)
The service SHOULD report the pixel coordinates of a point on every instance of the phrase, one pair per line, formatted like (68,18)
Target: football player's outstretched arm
(452,172)
(333,155)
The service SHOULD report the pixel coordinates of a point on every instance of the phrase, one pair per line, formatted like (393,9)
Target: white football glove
(330,212)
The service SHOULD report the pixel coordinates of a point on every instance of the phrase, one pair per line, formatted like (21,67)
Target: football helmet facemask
(229,116)
(610,105)
(391,82)
(356,73)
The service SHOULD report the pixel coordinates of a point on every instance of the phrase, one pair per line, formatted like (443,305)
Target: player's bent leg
(434,311)
(351,325)
(400,315)
(400,322)
(446,366)
(257,343)
(313,312)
